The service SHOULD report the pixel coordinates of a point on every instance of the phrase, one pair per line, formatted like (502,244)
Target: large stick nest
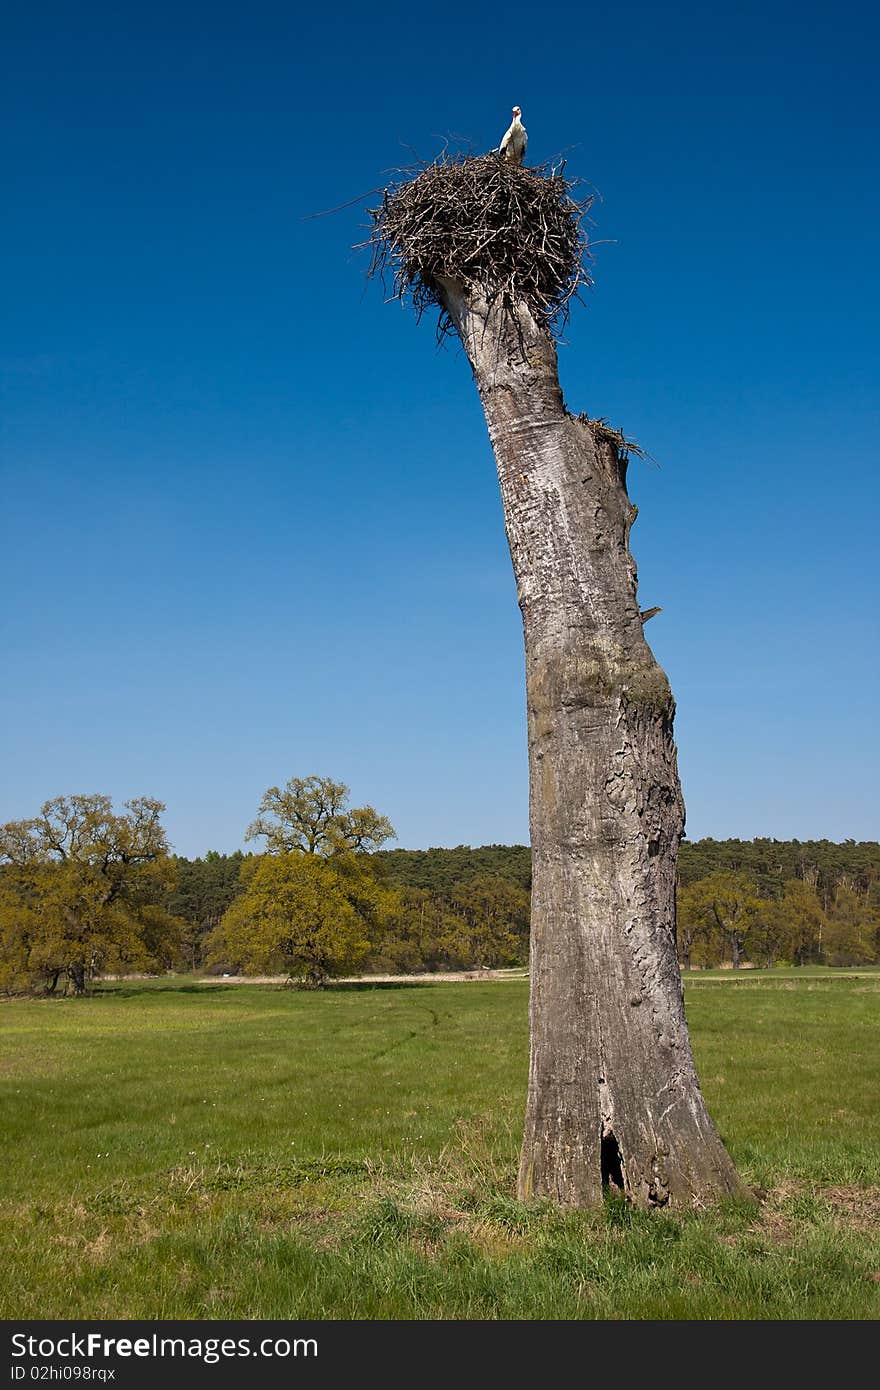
(516,234)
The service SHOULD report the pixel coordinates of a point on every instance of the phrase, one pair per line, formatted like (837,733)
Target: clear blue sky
(250,522)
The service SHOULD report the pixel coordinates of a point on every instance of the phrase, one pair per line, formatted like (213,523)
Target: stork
(513,146)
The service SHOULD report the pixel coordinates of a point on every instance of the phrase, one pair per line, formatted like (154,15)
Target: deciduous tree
(791,927)
(83,891)
(418,931)
(311,815)
(727,904)
(693,927)
(302,915)
(852,927)
(495,915)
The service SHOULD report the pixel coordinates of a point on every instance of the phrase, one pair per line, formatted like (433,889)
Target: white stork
(513,146)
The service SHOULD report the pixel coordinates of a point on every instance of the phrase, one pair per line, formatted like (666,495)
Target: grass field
(175,1151)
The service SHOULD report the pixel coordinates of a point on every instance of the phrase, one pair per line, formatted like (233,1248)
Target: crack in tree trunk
(613,1094)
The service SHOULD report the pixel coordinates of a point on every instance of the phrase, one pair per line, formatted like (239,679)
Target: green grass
(174,1151)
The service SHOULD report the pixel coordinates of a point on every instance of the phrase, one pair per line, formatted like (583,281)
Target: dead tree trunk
(613,1094)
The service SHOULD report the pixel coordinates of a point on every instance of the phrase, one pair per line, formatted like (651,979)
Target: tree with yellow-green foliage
(417,933)
(791,927)
(82,891)
(721,910)
(311,815)
(303,916)
(852,930)
(495,921)
(312,906)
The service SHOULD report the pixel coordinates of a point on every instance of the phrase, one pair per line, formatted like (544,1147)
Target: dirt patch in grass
(775,1226)
(855,1207)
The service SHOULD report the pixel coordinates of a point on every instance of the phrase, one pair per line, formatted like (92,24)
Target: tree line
(86,891)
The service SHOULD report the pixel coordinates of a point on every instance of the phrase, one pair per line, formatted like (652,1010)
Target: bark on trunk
(76,974)
(613,1094)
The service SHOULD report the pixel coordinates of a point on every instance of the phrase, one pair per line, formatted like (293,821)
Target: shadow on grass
(140,991)
(143,990)
(356,986)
